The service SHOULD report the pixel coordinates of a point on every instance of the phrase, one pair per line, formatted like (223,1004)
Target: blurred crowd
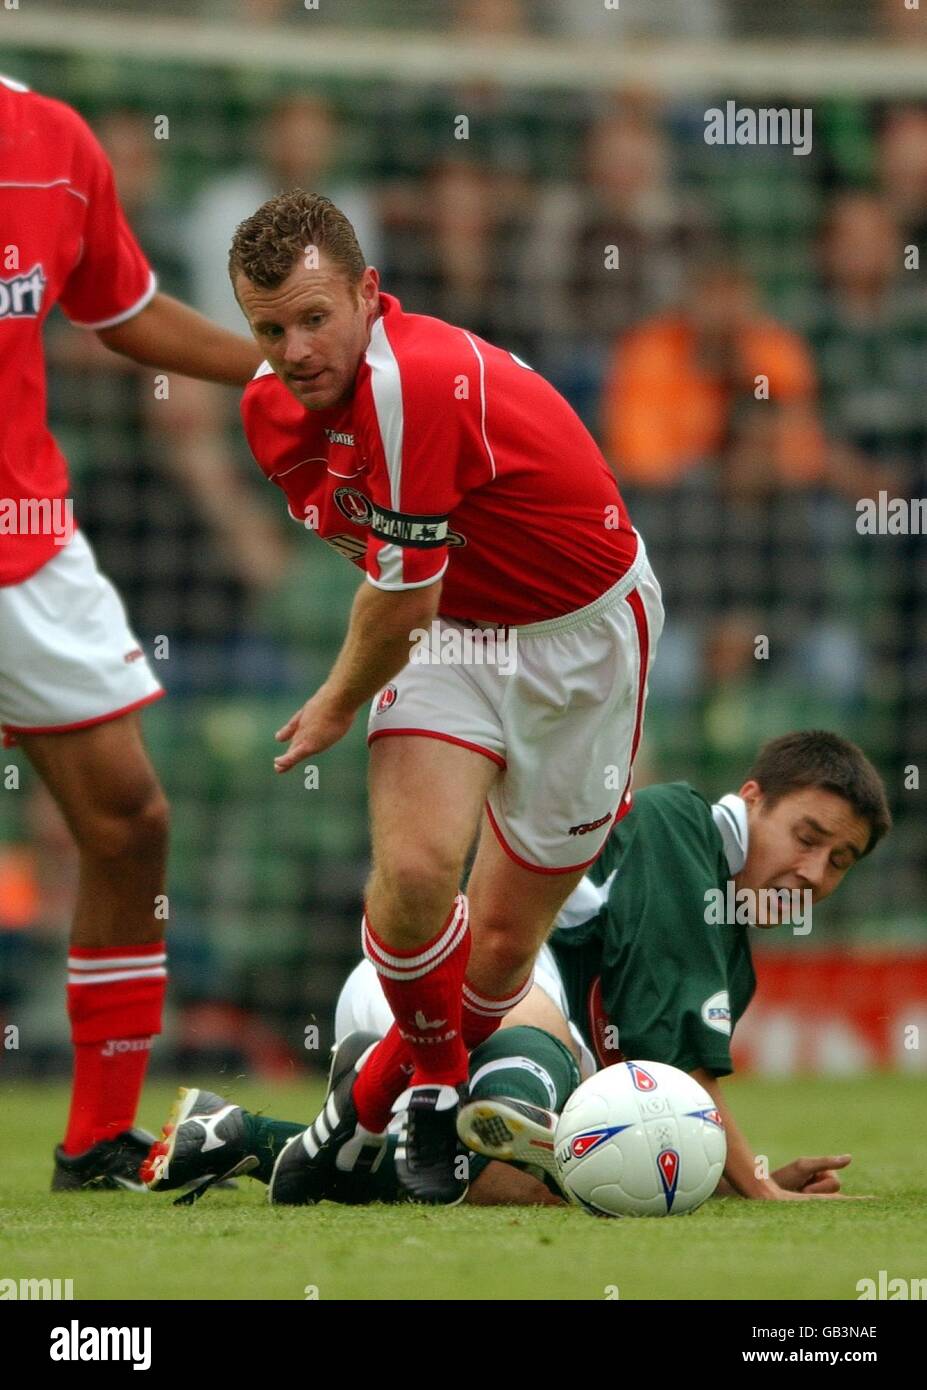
(750,377)
(743,331)
(579,19)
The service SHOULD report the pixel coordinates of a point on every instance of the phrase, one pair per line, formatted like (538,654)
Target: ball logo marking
(668,1164)
(584,1142)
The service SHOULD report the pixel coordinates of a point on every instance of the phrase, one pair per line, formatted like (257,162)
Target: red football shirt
(452,458)
(64,240)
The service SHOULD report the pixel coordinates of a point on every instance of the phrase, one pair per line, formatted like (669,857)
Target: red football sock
(482,1014)
(423,988)
(384,1076)
(115,999)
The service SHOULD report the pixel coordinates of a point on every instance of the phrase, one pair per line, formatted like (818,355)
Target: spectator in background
(679,383)
(172,516)
(455,253)
(466,136)
(299,143)
(869,331)
(607,248)
(902,157)
(668,19)
(128,138)
(899,21)
(38,883)
(868,325)
(490,18)
(711,422)
(741,698)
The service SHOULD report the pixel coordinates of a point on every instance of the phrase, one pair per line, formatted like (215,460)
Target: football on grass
(640,1139)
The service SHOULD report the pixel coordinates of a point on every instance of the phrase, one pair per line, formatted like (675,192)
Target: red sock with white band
(423,989)
(115,1001)
(483,1014)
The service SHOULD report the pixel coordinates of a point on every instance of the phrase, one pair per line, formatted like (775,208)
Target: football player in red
(504,629)
(72,675)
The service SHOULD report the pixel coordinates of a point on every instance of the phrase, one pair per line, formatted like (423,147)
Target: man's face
(313,329)
(807,840)
(861,247)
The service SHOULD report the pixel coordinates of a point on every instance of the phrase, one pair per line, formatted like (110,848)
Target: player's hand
(812,1180)
(812,1176)
(312,729)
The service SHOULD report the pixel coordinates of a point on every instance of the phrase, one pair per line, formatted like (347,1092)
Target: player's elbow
(126,338)
(154,324)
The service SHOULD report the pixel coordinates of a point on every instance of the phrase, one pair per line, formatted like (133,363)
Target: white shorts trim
(68,658)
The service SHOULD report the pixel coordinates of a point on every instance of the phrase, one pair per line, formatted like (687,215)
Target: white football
(640,1139)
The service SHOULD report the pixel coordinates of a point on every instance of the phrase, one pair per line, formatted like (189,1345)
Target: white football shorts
(68,658)
(558,706)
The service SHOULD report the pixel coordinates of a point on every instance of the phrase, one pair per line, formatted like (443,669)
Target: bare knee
(411,894)
(501,957)
(134,830)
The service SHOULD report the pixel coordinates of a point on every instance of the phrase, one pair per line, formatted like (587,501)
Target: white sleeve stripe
(126,314)
(479,358)
(397,588)
(386,386)
(389,558)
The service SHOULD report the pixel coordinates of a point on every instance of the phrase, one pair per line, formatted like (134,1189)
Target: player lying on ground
(72,674)
(637,967)
(484,517)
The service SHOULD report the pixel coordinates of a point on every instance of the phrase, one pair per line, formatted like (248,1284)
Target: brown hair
(816,758)
(267,245)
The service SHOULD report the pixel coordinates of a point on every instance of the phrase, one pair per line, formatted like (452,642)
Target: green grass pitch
(233,1246)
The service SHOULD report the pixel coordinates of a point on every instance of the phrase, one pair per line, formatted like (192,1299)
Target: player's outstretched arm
(376,647)
(172,336)
(795,1182)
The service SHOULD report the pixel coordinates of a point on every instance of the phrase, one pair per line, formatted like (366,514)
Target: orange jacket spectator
(674,382)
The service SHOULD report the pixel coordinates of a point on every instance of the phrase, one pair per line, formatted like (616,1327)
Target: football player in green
(649,960)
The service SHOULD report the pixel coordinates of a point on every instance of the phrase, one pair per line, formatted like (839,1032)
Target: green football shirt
(648,978)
